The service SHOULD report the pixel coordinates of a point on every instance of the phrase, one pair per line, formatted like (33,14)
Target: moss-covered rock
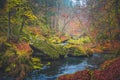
(80,41)
(55,39)
(77,51)
(53,51)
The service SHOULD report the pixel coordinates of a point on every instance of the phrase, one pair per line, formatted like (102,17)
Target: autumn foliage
(80,75)
(111,72)
(23,49)
(84,75)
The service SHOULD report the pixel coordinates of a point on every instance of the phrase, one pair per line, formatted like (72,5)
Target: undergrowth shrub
(17,60)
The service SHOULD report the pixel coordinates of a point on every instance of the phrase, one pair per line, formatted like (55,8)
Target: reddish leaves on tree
(64,15)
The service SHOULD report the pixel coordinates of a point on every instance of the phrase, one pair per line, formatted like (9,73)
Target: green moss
(36,67)
(55,39)
(80,41)
(49,63)
(78,51)
(36,63)
(35,59)
(7,69)
(50,49)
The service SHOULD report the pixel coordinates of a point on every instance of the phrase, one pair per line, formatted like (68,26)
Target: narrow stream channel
(67,66)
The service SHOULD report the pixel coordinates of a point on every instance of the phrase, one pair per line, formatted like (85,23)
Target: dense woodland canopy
(30,26)
(60,16)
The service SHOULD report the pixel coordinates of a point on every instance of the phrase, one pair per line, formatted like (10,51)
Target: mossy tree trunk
(9,28)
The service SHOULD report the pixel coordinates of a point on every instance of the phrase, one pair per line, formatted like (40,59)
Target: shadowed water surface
(67,66)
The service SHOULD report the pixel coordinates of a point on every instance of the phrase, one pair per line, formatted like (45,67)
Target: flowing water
(67,66)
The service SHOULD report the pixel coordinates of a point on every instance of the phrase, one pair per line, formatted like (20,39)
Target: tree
(19,13)
(104,18)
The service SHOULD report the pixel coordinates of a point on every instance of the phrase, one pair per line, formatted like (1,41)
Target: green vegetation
(55,28)
(52,50)
(80,41)
(16,57)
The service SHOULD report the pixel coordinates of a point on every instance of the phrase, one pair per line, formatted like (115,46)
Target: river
(68,65)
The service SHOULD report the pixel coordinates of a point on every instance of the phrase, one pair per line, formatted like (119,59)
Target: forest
(59,39)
